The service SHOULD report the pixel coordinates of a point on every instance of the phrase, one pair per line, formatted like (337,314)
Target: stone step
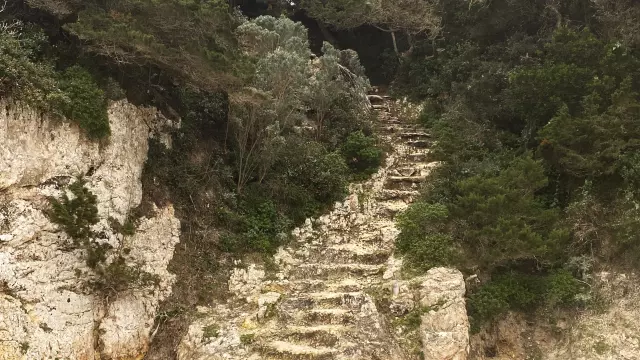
(414,135)
(324,300)
(391,208)
(398,128)
(328,271)
(406,179)
(420,143)
(387,194)
(417,157)
(404,183)
(327,316)
(319,285)
(413,169)
(285,350)
(380,107)
(353,253)
(316,335)
(367,235)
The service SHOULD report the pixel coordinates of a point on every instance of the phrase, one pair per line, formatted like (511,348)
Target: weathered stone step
(403,182)
(318,285)
(391,207)
(417,157)
(327,271)
(317,335)
(353,253)
(327,316)
(324,300)
(388,194)
(406,179)
(285,350)
(420,143)
(414,135)
(390,121)
(380,107)
(414,169)
(367,239)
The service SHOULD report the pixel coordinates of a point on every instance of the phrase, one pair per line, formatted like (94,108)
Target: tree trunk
(410,41)
(395,44)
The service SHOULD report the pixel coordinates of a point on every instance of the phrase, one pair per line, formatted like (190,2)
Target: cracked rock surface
(46,309)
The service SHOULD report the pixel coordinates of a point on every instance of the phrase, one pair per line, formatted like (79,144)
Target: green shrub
(430,113)
(118,276)
(210,332)
(306,178)
(562,288)
(258,228)
(422,239)
(522,292)
(361,153)
(88,105)
(24,74)
(75,215)
(128,228)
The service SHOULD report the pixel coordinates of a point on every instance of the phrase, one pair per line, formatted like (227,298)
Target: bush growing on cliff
(24,73)
(75,214)
(189,39)
(87,104)
(517,291)
(28,75)
(423,240)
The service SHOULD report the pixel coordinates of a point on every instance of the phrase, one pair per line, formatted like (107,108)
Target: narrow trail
(319,304)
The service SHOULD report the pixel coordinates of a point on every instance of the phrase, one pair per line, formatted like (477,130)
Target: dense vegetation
(533,107)
(28,72)
(270,133)
(535,118)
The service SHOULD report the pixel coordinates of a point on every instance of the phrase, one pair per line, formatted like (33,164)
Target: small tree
(336,75)
(255,128)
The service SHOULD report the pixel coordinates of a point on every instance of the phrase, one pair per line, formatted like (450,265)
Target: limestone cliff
(48,311)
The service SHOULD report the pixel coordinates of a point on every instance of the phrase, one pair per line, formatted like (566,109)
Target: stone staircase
(320,303)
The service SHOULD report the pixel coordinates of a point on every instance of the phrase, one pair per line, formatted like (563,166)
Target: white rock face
(611,334)
(445,327)
(608,332)
(48,311)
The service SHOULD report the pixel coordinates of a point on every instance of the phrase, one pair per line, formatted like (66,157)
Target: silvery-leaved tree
(336,75)
(413,17)
(255,127)
(286,85)
(269,105)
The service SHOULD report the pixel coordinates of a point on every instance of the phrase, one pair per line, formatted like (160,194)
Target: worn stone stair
(324,306)
(329,307)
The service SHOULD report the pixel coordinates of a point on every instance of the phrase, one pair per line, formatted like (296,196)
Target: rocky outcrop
(606,329)
(611,332)
(445,328)
(338,292)
(48,309)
